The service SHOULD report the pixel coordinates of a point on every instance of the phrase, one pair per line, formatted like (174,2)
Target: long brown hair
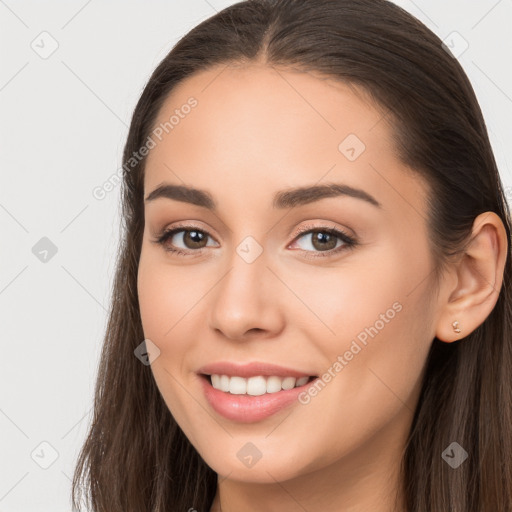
(135,457)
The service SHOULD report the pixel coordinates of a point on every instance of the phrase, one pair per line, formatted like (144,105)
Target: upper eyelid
(304,230)
(178,229)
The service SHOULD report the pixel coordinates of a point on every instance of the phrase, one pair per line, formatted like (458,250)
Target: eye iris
(193,239)
(324,239)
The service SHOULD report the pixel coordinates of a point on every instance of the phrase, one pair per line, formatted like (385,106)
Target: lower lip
(248,408)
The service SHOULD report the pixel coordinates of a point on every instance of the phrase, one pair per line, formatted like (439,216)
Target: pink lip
(246,408)
(250,370)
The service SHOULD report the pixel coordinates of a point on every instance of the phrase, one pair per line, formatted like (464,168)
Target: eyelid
(185,226)
(326,226)
(349,240)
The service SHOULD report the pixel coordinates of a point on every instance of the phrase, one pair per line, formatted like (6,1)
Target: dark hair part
(136,458)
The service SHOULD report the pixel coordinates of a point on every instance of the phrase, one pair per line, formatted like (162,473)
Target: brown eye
(323,241)
(319,239)
(180,240)
(194,239)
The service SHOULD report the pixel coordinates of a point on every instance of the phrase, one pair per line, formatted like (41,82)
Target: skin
(257,130)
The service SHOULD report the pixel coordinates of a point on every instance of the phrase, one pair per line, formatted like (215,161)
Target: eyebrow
(288,198)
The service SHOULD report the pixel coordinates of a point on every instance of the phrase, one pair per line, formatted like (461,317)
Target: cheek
(367,296)
(374,363)
(168,295)
(371,326)
(161,308)
(379,342)
(170,301)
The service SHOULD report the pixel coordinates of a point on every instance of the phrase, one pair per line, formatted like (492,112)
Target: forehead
(258,102)
(282,127)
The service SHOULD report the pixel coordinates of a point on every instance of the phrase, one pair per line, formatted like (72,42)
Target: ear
(478,279)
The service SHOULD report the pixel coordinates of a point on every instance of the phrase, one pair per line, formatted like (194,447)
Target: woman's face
(252,286)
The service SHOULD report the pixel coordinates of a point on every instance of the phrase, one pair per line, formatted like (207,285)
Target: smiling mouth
(255,386)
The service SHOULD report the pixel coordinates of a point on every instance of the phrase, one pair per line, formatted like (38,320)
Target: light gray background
(63,122)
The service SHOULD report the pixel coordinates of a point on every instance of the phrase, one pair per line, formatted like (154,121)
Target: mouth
(252,392)
(256,385)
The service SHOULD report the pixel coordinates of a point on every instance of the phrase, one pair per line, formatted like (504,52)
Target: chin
(242,464)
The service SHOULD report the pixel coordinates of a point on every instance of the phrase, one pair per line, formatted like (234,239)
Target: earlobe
(456,327)
(479,277)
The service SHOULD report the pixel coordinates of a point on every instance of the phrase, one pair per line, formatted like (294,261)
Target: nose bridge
(246,297)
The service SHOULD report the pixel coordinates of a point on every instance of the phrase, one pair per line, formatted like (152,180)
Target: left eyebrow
(288,198)
(304,195)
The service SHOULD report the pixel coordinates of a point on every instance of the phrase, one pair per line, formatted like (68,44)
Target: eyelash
(349,242)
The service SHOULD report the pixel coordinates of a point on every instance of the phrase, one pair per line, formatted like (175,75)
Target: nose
(246,301)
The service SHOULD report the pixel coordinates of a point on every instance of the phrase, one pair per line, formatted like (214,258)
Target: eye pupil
(194,238)
(323,239)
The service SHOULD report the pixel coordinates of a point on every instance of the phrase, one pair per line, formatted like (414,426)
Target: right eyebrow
(184,194)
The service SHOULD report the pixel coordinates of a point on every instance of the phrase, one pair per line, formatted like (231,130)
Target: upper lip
(252,369)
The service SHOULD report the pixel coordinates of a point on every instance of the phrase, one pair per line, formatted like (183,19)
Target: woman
(312,306)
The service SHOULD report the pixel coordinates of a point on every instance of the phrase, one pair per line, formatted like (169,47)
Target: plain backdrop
(70,75)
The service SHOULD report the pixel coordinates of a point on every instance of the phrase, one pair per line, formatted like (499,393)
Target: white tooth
(301,381)
(273,384)
(288,383)
(224,383)
(237,385)
(216,381)
(256,386)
